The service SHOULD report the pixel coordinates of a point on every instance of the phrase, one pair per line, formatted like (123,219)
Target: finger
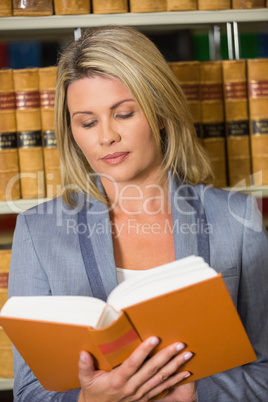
(137,358)
(164,370)
(158,362)
(185,392)
(86,368)
(165,386)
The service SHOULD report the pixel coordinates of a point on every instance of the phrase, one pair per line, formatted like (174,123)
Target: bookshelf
(12,28)
(158,21)
(17,206)
(68,26)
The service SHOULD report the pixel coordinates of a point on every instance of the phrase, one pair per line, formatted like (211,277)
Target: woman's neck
(148,196)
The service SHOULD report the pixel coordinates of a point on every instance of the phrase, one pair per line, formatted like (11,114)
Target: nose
(108,134)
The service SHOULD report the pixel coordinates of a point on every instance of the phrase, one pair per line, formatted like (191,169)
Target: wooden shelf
(17,206)
(257,191)
(147,21)
(6,384)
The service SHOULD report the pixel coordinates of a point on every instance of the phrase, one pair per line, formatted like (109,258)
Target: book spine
(32,7)
(183,5)
(47,85)
(28,117)
(188,74)
(9,162)
(214,4)
(72,7)
(147,6)
(258,115)
(6,8)
(109,6)
(237,122)
(6,356)
(5,255)
(237,4)
(213,120)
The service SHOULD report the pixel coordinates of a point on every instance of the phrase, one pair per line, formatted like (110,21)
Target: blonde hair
(129,56)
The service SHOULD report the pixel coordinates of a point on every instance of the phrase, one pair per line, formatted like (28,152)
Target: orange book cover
(202,315)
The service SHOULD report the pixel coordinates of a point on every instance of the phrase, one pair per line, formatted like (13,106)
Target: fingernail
(180,346)
(188,355)
(83,357)
(154,340)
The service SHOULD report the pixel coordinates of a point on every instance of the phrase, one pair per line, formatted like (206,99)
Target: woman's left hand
(182,393)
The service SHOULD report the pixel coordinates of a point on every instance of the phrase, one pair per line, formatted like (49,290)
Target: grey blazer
(48,258)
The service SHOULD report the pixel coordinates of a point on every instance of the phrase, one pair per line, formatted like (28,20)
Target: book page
(80,310)
(160,280)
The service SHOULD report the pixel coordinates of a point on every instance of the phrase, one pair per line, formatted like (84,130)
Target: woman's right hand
(137,378)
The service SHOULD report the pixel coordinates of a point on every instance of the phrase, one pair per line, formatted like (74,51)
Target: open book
(185,301)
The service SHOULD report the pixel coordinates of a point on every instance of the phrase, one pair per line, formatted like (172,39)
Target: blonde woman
(135,198)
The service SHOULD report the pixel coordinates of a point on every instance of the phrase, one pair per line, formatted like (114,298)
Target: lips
(115,158)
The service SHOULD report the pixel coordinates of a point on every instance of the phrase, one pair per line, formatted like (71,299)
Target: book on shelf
(146,6)
(28,117)
(6,355)
(72,7)
(237,122)
(9,162)
(258,116)
(181,5)
(237,4)
(6,8)
(47,85)
(184,301)
(109,7)
(32,8)
(5,255)
(214,4)
(213,119)
(188,74)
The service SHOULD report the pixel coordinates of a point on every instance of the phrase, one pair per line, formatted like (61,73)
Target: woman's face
(111,130)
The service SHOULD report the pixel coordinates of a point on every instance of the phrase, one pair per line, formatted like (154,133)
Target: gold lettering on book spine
(9,162)
(258,108)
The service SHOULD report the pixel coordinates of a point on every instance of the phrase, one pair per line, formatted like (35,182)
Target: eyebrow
(111,108)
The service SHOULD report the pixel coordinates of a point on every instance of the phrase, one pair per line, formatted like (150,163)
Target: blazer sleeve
(249,382)
(27,278)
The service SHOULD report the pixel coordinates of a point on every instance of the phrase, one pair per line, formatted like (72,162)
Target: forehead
(94,91)
(95,84)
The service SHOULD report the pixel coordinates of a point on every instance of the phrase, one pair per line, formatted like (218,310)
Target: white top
(123,274)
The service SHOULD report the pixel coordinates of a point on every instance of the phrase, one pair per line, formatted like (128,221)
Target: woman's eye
(89,125)
(125,116)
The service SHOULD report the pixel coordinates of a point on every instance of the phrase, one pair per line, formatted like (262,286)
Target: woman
(133,200)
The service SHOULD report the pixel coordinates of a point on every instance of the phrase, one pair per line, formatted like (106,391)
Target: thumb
(86,368)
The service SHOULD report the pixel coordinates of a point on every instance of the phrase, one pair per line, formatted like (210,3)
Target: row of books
(6,357)
(228,100)
(229,103)
(29,160)
(65,7)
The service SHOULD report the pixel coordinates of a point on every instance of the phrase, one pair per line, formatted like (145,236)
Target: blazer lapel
(97,248)
(189,221)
